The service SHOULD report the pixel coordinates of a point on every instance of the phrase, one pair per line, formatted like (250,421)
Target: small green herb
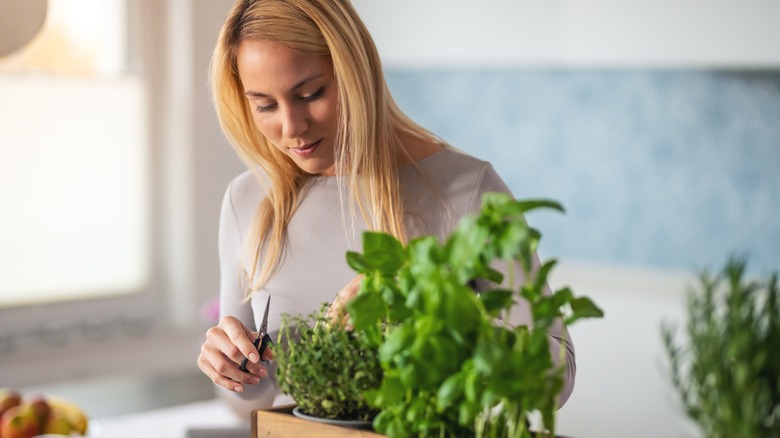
(728,372)
(326,368)
(450,367)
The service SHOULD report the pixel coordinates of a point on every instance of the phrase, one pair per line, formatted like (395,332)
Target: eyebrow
(298,85)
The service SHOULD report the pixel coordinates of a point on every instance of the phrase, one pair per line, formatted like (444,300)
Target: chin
(316,170)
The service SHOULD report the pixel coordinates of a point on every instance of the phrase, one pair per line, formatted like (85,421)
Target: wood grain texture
(280,424)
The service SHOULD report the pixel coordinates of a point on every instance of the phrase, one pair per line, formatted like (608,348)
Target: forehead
(274,66)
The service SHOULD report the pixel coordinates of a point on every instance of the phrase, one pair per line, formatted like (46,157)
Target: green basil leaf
(471,385)
(496,300)
(398,429)
(358,262)
(509,241)
(542,273)
(583,307)
(383,252)
(533,204)
(492,395)
(459,308)
(451,390)
(411,375)
(399,339)
(467,412)
(492,275)
(366,309)
(415,411)
(390,392)
(487,355)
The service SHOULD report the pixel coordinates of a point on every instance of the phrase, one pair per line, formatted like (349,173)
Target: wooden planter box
(279,422)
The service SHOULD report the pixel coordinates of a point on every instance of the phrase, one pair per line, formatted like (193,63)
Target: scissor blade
(264,324)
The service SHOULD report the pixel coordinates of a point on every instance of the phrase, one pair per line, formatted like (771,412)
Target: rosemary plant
(727,371)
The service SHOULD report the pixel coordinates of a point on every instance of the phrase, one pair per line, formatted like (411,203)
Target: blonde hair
(367,140)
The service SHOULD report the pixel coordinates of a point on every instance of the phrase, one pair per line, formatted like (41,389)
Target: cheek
(326,114)
(267,127)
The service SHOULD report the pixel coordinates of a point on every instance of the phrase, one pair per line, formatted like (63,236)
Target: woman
(299,92)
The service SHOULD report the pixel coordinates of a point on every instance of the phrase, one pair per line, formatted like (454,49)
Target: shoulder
(444,187)
(459,172)
(246,187)
(450,158)
(242,196)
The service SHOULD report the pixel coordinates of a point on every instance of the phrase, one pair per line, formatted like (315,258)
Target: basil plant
(451,366)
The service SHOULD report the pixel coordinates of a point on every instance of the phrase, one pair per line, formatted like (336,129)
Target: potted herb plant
(727,371)
(327,369)
(451,368)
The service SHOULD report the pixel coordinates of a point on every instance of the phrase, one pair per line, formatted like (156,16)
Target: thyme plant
(326,368)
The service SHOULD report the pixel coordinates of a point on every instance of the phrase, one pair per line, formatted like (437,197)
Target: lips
(307,149)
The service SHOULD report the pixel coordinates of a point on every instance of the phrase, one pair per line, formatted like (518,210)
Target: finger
(256,370)
(346,323)
(223,371)
(334,314)
(268,354)
(230,369)
(354,286)
(239,337)
(218,340)
(347,293)
(223,381)
(226,358)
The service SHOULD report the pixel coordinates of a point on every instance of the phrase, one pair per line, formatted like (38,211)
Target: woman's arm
(231,340)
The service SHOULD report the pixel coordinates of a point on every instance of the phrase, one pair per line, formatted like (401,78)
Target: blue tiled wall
(666,169)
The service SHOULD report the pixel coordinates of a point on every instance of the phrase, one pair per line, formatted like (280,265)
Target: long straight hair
(367,143)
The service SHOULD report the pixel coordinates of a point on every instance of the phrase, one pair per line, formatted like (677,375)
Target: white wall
(623,387)
(575,33)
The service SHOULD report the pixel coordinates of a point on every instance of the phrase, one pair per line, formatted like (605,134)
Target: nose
(295,121)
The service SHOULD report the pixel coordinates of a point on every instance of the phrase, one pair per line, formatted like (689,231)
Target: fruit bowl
(51,435)
(93,431)
(39,416)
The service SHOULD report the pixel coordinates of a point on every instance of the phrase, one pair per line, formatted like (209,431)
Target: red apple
(18,423)
(8,399)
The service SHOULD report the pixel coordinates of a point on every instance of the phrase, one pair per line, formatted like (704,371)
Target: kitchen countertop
(149,406)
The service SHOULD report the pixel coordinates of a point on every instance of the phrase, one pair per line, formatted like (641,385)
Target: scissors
(262,340)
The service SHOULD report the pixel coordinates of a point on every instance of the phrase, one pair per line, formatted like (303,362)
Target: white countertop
(170,422)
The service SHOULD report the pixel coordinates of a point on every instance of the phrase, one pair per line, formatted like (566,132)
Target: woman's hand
(226,345)
(337,312)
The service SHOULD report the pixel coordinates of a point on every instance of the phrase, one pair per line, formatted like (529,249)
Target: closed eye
(314,96)
(265,108)
(305,98)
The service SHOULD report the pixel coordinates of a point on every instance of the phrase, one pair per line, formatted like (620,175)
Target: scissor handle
(264,344)
(261,343)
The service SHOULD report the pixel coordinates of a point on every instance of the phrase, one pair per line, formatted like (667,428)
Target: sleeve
(231,303)
(230,242)
(561,345)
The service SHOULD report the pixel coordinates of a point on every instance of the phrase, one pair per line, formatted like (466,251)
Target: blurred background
(656,124)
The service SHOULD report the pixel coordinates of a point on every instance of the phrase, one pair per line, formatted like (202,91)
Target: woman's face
(294,101)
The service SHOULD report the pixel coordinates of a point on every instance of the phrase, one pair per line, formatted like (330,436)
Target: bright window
(74,160)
